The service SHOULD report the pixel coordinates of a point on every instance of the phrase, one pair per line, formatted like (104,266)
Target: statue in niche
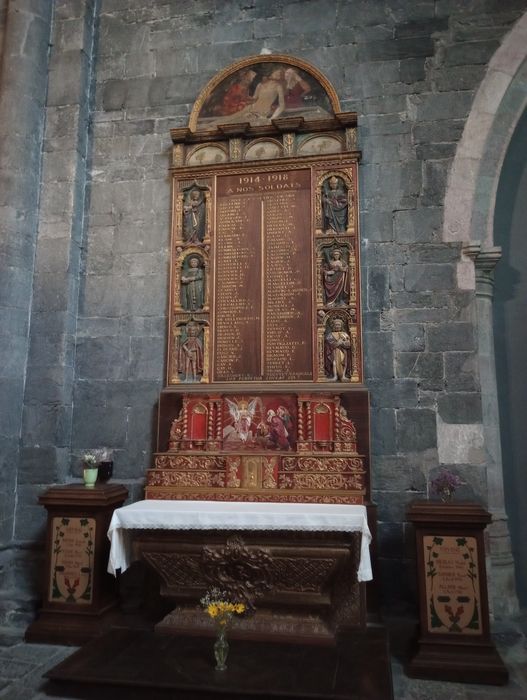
(337,352)
(190,356)
(336,279)
(192,284)
(334,205)
(194,216)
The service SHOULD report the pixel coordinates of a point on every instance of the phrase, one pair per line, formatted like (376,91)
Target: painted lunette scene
(264,91)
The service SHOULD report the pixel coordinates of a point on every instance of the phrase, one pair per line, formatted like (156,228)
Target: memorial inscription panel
(263,277)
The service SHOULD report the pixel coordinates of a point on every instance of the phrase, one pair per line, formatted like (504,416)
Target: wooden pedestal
(77,593)
(454,642)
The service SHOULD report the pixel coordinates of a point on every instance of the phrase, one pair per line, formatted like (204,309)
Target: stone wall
(122,73)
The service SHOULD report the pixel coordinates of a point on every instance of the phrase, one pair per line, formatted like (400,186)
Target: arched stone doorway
(475,205)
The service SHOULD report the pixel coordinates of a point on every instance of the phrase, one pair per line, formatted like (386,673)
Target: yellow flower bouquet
(220,610)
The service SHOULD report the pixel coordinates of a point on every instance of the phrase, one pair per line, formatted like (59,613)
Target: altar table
(223,515)
(301,568)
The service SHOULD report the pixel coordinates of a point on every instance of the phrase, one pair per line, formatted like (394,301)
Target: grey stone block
(360,15)
(436,151)
(378,253)
(446,105)
(395,186)
(406,472)
(42,465)
(429,277)
(451,336)
(269,27)
(470,52)
(99,426)
(421,315)
(383,431)
(66,84)
(427,368)
(397,49)
(48,424)
(11,393)
(52,291)
(443,131)
(412,70)
(460,408)
(370,321)
(416,429)
(175,61)
(103,358)
(398,393)
(435,253)
(377,225)
(118,36)
(308,17)
(462,78)
(396,278)
(147,358)
(418,225)
(409,337)
(377,289)
(424,27)
(378,355)
(434,181)
(388,149)
(133,92)
(461,371)
(374,124)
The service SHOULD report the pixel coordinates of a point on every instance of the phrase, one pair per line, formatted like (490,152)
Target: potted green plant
(90,470)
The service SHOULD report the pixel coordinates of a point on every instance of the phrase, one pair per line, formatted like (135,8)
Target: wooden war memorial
(264,398)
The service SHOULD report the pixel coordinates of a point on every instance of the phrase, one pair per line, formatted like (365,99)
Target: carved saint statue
(190,356)
(337,352)
(194,217)
(336,280)
(192,284)
(334,205)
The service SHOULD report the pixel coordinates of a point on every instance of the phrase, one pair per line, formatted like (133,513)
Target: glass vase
(221,649)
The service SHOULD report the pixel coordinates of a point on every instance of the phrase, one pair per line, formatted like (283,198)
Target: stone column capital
(485,260)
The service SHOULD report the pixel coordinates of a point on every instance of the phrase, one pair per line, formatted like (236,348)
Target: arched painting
(263,88)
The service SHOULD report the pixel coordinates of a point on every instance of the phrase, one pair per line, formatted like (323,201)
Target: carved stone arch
(469,207)
(253,61)
(496,109)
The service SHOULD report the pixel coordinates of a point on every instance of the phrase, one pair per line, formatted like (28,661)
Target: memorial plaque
(263,311)
(71,572)
(452,584)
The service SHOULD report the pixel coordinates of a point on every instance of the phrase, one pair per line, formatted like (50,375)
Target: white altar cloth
(226,515)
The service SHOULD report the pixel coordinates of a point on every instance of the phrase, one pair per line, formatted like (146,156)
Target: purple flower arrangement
(445,484)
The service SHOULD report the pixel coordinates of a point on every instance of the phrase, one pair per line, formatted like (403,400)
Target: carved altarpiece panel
(264,398)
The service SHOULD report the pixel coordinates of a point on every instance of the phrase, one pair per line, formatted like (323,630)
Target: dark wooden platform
(137,665)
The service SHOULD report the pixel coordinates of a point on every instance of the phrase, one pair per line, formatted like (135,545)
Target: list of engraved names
(262,328)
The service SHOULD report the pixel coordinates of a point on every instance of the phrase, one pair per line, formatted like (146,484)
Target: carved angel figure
(242,415)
